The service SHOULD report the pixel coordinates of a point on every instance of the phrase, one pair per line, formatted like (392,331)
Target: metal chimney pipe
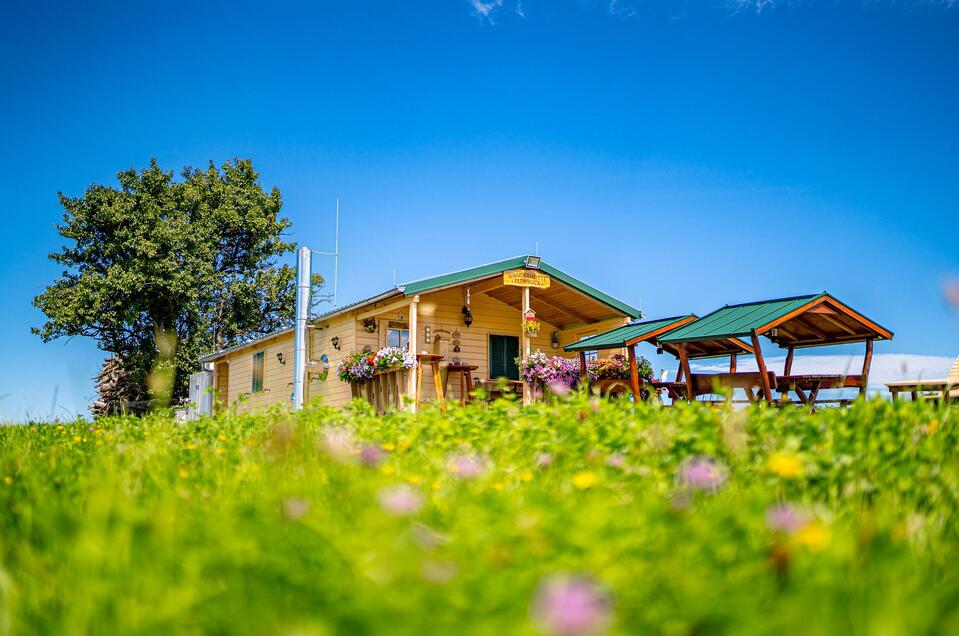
(303,275)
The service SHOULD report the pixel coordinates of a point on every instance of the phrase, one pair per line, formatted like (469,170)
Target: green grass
(271,524)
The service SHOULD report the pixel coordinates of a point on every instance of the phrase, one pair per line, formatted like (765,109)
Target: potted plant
(531,325)
(540,371)
(611,375)
(355,369)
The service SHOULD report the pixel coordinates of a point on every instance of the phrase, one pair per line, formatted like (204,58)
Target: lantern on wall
(467,316)
(554,340)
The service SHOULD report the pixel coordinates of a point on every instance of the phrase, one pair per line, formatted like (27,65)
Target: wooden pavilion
(628,336)
(792,323)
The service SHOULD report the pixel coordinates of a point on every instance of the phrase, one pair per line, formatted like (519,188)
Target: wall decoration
(369,325)
(456,341)
(324,371)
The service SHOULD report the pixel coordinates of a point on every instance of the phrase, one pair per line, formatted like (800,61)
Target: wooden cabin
(471,317)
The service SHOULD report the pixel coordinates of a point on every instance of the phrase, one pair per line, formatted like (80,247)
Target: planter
(385,390)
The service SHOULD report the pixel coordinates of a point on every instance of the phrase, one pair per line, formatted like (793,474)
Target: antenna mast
(335,254)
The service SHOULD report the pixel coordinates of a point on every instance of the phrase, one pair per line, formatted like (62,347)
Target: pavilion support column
(633,373)
(583,375)
(787,370)
(763,375)
(679,373)
(732,363)
(866,363)
(684,370)
(527,389)
(413,380)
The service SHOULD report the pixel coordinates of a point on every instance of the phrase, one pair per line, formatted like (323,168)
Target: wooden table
(465,373)
(915,387)
(432,359)
(807,387)
(707,383)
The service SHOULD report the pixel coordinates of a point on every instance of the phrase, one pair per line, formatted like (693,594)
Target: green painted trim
(617,338)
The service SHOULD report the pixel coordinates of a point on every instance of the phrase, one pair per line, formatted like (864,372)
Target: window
(398,335)
(503,351)
(259,358)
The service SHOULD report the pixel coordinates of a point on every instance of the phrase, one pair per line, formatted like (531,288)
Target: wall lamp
(335,341)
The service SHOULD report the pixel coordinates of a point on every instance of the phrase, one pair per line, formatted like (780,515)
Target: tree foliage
(159,270)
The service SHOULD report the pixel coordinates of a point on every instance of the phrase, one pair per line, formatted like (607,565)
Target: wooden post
(633,373)
(679,373)
(583,375)
(732,363)
(866,363)
(788,369)
(413,381)
(527,388)
(763,375)
(684,369)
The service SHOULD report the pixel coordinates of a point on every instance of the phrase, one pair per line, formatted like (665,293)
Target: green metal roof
(617,338)
(736,321)
(518,262)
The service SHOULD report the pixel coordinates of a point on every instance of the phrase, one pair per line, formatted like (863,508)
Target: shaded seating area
(930,389)
(651,331)
(791,323)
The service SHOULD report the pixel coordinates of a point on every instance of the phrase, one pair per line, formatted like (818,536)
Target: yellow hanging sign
(526,278)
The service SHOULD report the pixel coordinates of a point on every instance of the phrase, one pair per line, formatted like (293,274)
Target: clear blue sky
(679,155)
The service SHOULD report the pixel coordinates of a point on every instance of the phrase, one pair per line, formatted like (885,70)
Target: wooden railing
(385,391)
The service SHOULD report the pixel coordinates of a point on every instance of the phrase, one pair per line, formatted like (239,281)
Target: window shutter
(512,352)
(503,351)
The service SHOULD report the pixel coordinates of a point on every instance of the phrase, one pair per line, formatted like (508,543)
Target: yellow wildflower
(184,474)
(8,480)
(497,486)
(221,437)
(388,470)
(190,446)
(414,479)
(77,439)
(933,427)
(786,465)
(402,445)
(389,448)
(218,450)
(815,536)
(437,485)
(526,475)
(585,479)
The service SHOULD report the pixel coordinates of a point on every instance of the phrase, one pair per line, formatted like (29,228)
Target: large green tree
(160,270)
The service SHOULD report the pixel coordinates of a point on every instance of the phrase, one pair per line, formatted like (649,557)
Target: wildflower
(571,606)
(218,450)
(183,474)
(414,479)
(616,460)
(426,537)
(544,460)
(702,473)
(221,437)
(558,388)
(190,446)
(585,479)
(786,518)
(8,480)
(77,439)
(497,486)
(388,447)
(388,470)
(815,536)
(467,466)
(786,465)
(295,508)
(932,427)
(526,475)
(371,455)
(400,500)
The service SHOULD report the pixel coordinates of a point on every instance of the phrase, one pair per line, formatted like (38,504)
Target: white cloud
(484,8)
(886,367)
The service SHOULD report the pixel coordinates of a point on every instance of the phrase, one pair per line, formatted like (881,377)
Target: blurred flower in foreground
(558,388)
(815,536)
(951,291)
(585,479)
(571,606)
(339,442)
(544,460)
(467,466)
(616,460)
(438,572)
(702,473)
(786,518)
(371,455)
(295,508)
(786,465)
(400,500)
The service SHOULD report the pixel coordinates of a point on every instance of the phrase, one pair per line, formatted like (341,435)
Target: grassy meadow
(578,517)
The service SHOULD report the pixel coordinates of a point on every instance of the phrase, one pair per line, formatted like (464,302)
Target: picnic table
(807,387)
(915,387)
(710,383)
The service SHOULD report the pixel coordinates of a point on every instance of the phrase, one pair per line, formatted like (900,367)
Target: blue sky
(679,155)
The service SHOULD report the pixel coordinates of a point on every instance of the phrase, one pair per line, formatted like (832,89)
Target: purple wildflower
(616,460)
(295,508)
(371,455)
(571,606)
(786,518)
(400,501)
(702,473)
(467,466)
(544,460)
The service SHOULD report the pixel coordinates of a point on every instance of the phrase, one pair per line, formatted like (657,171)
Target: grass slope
(337,522)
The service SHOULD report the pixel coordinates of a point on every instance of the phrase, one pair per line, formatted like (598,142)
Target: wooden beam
(866,363)
(787,370)
(403,303)
(486,286)
(684,366)
(527,389)
(808,326)
(633,373)
(414,341)
(761,363)
(569,312)
(836,323)
(652,335)
(732,363)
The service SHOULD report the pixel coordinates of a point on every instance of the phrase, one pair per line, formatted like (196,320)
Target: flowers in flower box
(531,325)
(394,358)
(356,367)
(541,370)
(616,367)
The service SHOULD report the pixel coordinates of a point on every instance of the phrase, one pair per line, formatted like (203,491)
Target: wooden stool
(465,373)
(432,359)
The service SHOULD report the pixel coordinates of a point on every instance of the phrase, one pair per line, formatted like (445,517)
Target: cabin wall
(277,377)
